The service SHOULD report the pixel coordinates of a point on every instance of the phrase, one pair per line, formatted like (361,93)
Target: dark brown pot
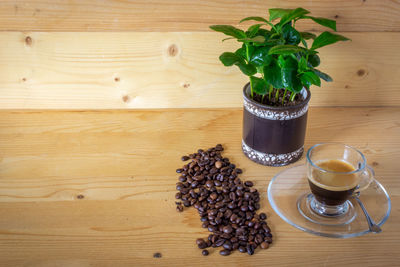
(273,136)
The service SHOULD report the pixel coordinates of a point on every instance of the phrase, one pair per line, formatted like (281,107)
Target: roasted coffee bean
(205,252)
(248,183)
(179,208)
(268,240)
(227,229)
(250,249)
(212,228)
(218,164)
(226,205)
(242,249)
(227,245)
(199,241)
(209,183)
(219,242)
(263,216)
(264,245)
(225,252)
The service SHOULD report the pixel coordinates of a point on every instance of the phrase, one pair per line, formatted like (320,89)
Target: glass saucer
(289,195)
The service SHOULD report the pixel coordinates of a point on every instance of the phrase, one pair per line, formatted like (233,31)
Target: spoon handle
(372,225)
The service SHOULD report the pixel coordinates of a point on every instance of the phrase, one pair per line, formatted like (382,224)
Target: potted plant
(281,64)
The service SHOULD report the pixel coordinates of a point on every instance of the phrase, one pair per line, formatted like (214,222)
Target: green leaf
(291,35)
(289,75)
(229,30)
(285,49)
(257,39)
(323,21)
(310,77)
(294,14)
(257,19)
(229,38)
(327,38)
(252,30)
(275,13)
(247,69)
(260,57)
(323,76)
(314,60)
(229,59)
(303,64)
(241,52)
(259,85)
(273,74)
(254,18)
(307,35)
(265,33)
(304,43)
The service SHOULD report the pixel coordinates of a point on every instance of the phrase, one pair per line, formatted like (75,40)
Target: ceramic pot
(273,136)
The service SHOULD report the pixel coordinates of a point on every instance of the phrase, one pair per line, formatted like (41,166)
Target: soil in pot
(277,102)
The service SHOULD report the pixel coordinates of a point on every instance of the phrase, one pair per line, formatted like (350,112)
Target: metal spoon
(372,225)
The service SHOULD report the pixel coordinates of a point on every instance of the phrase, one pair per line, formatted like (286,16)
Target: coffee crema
(336,176)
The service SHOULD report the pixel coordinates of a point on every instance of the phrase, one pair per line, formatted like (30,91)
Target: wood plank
(123,164)
(185,15)
(173,70)
(56,156)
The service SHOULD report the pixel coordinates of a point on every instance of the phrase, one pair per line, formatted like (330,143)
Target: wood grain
(174,70)
(185,15)
(122,165)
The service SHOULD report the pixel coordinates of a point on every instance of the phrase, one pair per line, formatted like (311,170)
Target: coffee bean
(201,243)
(219,242)
(218,164)
(227,245)
(264,245)
(179,208)
(212,228)
(250,249)
(225,204)
(225,252)
(248,183)
(227,229)
(205,252)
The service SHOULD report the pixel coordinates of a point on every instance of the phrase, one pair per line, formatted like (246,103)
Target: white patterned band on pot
(271,159)
(275,114)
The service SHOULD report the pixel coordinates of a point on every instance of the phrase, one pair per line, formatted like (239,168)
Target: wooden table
(82,188)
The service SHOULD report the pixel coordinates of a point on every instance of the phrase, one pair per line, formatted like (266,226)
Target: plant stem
(262,98)
(284,95)
(292,96)
(270,91)
(247,53)
(251,89)
(276,94)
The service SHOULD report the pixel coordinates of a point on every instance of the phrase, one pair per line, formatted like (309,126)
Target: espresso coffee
(334,183)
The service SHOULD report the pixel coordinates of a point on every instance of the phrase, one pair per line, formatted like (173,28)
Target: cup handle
(367,177)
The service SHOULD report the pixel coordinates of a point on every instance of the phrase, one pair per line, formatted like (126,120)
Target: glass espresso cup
(335,172)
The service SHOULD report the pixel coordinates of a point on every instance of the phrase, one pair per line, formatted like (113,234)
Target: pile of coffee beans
(227,206)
